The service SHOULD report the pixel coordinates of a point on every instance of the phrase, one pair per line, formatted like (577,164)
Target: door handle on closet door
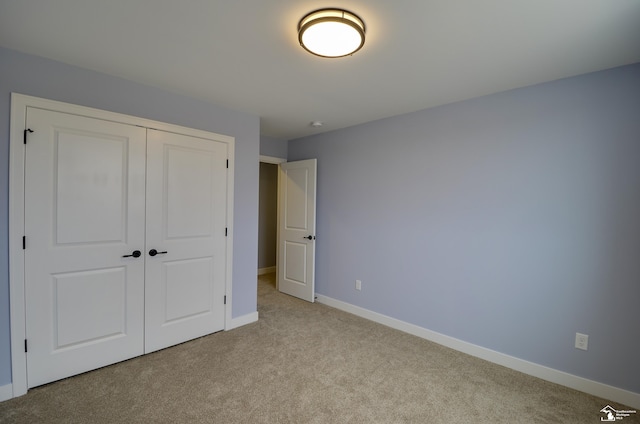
(154,252)
(134,254)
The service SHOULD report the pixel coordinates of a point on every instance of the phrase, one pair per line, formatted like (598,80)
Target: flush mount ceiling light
(331,33)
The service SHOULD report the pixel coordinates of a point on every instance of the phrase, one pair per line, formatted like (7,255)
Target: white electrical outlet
(582,341)
(358,285)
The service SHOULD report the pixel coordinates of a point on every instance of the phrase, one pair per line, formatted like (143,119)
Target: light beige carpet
(305,363)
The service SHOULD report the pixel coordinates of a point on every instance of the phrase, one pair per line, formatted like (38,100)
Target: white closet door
(84,211)
(186,218)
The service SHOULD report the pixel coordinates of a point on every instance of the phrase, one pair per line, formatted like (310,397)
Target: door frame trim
(272,160)
(19,105)
(275,161)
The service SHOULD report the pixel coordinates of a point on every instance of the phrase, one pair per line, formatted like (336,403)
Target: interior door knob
(309,237)
(135,254)
(154,252)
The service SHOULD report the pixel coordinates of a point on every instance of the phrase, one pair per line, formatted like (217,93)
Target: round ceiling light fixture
(331,33)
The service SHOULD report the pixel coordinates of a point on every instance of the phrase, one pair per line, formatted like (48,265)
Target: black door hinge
(24,242)
(225,301)
(227,163)
(226,231)
(28,130)
(25,345)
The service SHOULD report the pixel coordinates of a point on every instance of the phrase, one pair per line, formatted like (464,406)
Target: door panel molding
(19,105)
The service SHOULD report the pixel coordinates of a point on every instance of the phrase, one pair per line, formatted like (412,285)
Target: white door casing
(186,184)
(111,191)
(84,211)
(275,161)
(297,229)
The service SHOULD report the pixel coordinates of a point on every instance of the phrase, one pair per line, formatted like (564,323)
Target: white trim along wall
(6,392)
(549,374)
(243,320)
(272,159)
(268,270)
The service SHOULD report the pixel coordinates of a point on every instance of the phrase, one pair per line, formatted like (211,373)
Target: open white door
(297,229)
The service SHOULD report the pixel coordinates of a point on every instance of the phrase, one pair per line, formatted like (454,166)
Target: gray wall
(273,147)
(41,77)
(510,221)
(268,215)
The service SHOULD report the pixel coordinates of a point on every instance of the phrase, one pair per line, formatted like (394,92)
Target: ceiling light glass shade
(331,33)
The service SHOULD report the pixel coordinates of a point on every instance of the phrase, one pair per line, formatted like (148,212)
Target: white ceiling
(244,54)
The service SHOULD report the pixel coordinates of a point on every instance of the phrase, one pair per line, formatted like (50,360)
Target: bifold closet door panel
(84,219)
(186,242)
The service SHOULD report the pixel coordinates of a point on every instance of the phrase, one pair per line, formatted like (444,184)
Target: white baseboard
(595,388)
(243,320)
(269,270)
(6,392)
